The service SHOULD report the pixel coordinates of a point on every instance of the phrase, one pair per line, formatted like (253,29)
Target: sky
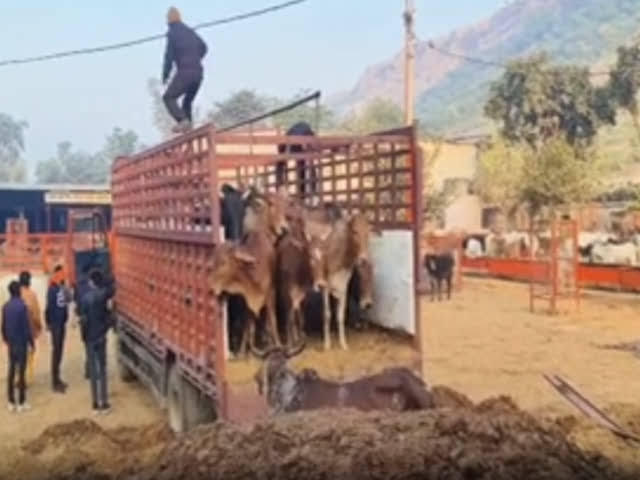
(320,44)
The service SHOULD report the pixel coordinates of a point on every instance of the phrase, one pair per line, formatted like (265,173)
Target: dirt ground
(132,405)
(484,343)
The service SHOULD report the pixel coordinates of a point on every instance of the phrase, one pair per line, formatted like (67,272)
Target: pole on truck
(409,61)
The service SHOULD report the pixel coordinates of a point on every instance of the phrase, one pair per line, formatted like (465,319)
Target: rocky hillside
(451,91)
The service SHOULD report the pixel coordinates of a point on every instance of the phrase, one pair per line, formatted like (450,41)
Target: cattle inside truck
(166,223)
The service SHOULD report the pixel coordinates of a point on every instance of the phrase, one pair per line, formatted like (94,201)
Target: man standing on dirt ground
(186,49)
(56,316)
(95,312)
(35,318)
(16,333)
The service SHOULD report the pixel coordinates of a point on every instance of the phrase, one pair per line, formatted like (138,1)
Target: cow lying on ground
(440,268)
(396,389)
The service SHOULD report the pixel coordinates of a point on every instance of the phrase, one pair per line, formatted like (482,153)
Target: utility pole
(409,60)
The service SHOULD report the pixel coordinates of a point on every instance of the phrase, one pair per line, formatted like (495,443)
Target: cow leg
(249,325)
(272,321)
(326,313)
(439,282)
(341,314)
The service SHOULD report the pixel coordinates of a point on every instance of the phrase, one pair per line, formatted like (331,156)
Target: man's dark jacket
(94,314)
(185,48)
(57,310)
(16,330)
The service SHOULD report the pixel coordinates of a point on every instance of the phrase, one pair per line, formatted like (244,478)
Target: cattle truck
(171,329)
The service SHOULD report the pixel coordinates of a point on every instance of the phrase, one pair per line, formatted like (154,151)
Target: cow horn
(297,350)
(263,354)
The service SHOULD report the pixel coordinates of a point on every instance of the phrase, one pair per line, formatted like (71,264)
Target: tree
(12,165)
(558,174)
(241,105)
(320,118)
(535,100)
(436,200)
(377,115)
(624,82)
(500,175)
(75,167)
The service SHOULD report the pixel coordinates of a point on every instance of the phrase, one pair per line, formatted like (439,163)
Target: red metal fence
(615,277)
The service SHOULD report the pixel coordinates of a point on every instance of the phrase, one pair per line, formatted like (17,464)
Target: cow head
(275,380)
(359,233)
(228,262)
(266,210)
(364,269)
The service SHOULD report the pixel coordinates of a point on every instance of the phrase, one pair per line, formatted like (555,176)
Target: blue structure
(46,206)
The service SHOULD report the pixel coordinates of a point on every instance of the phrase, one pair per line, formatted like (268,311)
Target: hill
(451,91)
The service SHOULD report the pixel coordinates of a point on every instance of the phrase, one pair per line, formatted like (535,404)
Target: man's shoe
(182,127)
(12,408)
(25,407)
(59,389)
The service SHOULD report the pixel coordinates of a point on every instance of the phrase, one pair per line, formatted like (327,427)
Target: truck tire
(187,407)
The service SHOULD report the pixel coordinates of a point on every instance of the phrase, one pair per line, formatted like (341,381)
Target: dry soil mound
(493,440)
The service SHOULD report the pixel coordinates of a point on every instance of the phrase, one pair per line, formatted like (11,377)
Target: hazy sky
(323,44)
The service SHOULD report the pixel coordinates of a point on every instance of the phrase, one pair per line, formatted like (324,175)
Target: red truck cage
(166,224)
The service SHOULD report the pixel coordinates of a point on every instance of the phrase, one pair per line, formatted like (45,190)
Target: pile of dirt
(493,440)
(83,449)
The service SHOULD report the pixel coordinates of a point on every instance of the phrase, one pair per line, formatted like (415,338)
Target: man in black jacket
(56,316)
(96,318)
(186,49)
(16,333)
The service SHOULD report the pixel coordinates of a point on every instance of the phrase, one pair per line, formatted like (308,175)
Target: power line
(490,63)
(151,38)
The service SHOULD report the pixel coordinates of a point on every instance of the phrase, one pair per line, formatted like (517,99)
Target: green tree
(76,167)
(624,82)
(557,174)
(12,165)
(319,117)
(240,106)
(535,100)
(378,115)
(500,176)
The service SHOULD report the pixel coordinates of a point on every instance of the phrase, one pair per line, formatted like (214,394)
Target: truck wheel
(176,402)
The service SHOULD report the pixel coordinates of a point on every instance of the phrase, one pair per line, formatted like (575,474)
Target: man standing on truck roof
(56,316)
(186,49)
(97,318)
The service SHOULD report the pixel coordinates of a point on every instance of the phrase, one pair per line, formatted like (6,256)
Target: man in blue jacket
(56,316)
(186,49)
(96,318)
(16,333)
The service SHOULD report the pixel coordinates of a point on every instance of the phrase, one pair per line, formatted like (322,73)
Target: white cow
(474,248)
(610,254)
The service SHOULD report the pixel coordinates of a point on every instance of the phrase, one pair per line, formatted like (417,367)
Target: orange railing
(40,252)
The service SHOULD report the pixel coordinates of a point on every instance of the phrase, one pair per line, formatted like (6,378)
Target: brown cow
(346,246)
(300,269)
(246,269)
(396,388)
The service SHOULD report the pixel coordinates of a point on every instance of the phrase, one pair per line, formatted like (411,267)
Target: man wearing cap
(186,49)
